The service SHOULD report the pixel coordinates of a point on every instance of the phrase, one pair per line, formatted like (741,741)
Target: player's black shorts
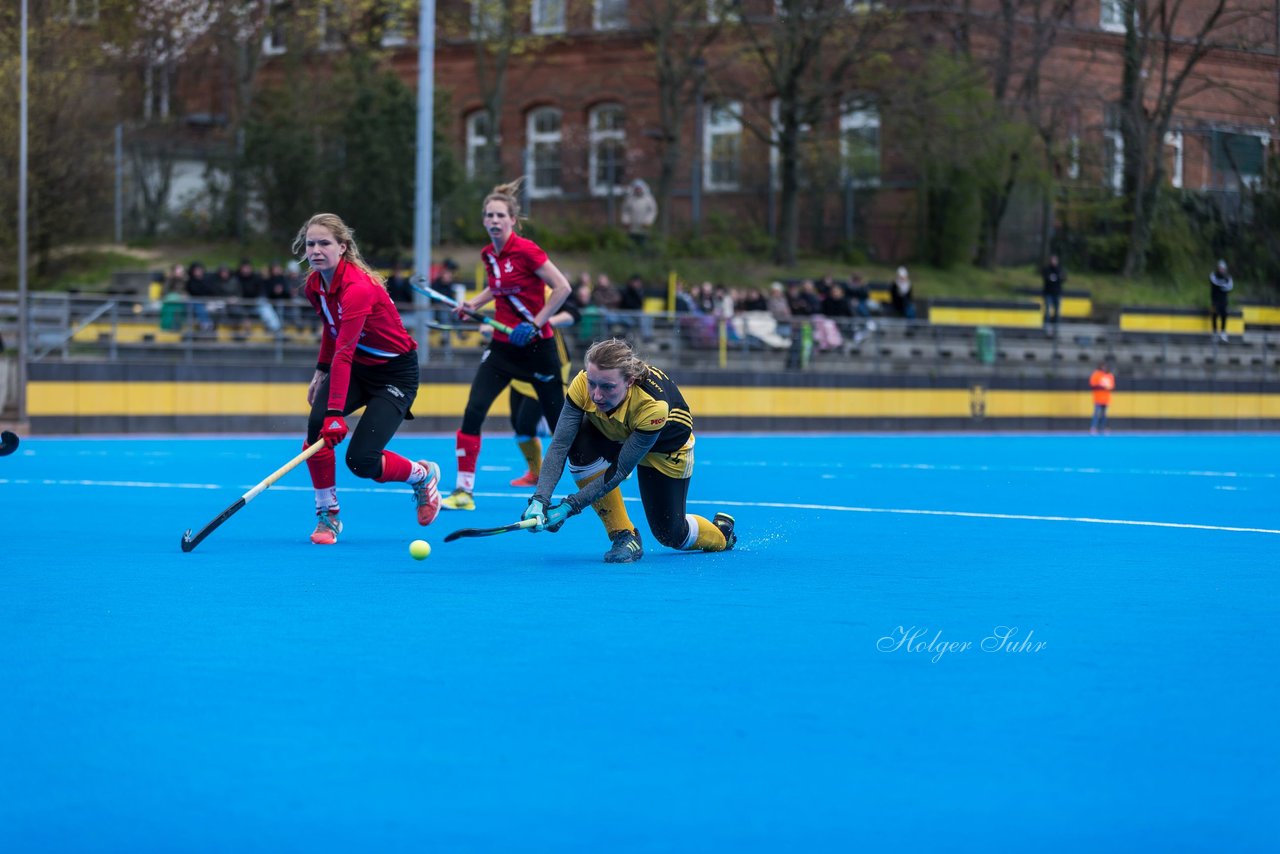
(537,363)
(395,381)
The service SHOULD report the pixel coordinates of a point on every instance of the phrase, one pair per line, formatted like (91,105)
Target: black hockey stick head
(8,443)
(523,524)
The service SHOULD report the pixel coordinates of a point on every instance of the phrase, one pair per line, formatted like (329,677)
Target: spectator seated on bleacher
(859,295)
(753,326)
(173,309)
(200,289)
(699,329)
(753,299)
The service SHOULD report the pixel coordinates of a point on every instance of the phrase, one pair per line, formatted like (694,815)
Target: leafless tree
(71,110)
(1166,43)
(810,55)
(680,36)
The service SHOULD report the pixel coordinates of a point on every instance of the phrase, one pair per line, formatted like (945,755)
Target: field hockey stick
(8,443)
(522,525)
(449,327)
(189,542)
(454,304)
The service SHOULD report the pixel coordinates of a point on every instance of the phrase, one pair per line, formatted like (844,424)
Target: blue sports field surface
(1057,643)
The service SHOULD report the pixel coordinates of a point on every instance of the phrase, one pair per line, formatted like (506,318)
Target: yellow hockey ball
(419,549)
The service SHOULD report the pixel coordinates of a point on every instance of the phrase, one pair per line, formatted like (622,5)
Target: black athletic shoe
(626,547)
(724,522)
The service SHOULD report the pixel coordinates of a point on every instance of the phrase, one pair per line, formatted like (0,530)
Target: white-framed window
(486,19)
(1173,142)
(328,28)
(76,11)
(781,9)
(479,134)
(547,17)
(609,14)
(274,33)
(545,168)
(395,29)
(860,144)
(1111,15)
(1113,151)
(1073,157)
(1238,158)
(273,39)
(156,78)
(722,145)
(607,134)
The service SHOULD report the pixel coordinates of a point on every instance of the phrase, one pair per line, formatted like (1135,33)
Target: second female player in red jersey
(517,278)
(366,359)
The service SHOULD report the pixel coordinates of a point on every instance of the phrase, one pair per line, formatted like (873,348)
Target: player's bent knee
(365,465)
(673,534)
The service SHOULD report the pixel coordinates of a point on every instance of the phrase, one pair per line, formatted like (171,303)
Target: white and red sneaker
(426,494)
(328,527)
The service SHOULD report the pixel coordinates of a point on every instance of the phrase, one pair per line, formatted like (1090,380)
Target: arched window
(547,16)
(860,144)
(609,14)
(722,145)
(479,135)
(608,139)
(544,162)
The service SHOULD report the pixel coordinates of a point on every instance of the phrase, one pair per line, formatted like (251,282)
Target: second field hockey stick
(8,443)
(189,542)
(522,525)
(454,304)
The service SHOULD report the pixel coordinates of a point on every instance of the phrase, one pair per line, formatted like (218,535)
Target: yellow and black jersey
(654,403)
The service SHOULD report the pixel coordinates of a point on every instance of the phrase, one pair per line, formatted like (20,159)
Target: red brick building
(581,111)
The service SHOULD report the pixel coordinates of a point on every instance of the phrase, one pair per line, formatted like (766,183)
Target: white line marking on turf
(779,505)
(1019,517)
(995,469)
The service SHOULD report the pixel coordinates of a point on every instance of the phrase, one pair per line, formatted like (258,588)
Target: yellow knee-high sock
(532,450)
(610,508)
(710,538)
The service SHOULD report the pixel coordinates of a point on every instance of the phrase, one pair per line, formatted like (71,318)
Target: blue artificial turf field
(808,691)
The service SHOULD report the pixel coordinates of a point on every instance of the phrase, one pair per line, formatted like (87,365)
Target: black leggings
(1218,299)
(664,498)
(537,364)
(384,410)
(525,414)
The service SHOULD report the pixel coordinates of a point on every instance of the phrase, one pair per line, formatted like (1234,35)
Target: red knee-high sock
(395,468)
(322,466)
(468,450)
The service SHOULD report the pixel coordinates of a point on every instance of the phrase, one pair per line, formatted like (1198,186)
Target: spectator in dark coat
(1053,277)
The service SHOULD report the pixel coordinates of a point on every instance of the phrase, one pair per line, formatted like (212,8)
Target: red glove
(334,429)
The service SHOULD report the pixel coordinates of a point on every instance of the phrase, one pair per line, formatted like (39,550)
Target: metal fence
(229,331)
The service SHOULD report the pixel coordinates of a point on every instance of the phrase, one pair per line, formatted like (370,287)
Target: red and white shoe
(328,527)
(526,479)
(427,493)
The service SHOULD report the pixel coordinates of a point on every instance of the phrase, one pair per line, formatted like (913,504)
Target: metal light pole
(24,327)
(695,191)
(423,177)
(119,155)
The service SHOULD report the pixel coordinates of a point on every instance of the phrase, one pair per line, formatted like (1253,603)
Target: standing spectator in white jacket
(639,212)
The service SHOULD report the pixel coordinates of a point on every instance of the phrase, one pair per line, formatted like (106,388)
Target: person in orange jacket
(1103,382)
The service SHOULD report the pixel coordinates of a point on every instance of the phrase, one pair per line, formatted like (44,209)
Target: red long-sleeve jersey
(518,293)
(361,326)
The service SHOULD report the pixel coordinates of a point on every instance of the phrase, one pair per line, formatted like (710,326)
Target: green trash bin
(986,345)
